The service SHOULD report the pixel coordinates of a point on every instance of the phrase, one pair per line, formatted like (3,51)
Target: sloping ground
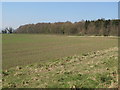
(91,70)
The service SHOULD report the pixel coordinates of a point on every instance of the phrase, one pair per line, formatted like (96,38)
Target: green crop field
(56,61)
(23,49)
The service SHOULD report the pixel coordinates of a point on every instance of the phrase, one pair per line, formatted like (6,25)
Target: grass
(97,69)
(24,49)
(56,61)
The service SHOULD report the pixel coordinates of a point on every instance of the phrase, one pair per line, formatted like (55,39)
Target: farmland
(24,49)
(36,60)
(90,70)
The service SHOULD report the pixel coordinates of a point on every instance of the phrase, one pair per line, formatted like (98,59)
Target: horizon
(22,13)
(58,22)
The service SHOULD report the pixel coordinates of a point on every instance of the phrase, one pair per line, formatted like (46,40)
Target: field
(22,49)
(90,70)
(38,61)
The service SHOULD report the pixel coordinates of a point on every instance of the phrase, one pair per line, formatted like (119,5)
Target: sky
(0,15)
(15,14)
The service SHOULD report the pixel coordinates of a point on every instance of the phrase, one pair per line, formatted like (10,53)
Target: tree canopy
(93,27)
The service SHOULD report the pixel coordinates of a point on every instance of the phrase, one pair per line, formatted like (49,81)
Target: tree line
(8,30)
(100,27)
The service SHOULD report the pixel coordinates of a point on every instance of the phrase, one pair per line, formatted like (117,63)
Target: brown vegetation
(99,27)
